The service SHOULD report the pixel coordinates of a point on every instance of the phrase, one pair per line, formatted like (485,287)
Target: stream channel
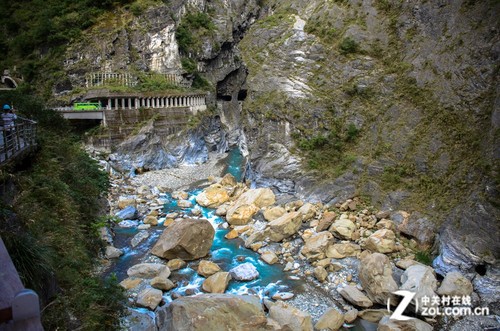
(226,253)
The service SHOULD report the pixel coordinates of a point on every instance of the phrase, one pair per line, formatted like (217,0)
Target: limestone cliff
(396,101)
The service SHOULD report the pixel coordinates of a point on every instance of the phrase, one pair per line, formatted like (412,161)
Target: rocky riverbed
(186,240)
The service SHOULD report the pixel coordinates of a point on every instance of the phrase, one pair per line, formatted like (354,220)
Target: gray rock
(476,323)
(149,298)
(387,324)
(418,227)
(148,270)
(455,284)
(113,252)
(128,224)
(136,321)
(355,296)
(244,272)
(419,279)
(139,237)
(128,213)
(465,240)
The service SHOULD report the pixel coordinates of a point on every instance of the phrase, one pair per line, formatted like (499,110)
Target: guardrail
(19,307)
(17,139)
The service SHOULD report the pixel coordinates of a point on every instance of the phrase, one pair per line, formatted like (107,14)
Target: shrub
(348,46)
(192,28)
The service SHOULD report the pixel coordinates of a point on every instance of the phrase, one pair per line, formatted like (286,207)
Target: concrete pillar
(123,103)
(108,106)
(129,103)
(136,103)
(116,103)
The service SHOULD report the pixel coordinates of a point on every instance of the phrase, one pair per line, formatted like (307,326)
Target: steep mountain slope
(397,101)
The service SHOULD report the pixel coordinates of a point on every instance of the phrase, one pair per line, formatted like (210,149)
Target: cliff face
(418,81)
(397,101)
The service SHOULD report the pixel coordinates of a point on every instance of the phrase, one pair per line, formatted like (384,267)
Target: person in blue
(8,122)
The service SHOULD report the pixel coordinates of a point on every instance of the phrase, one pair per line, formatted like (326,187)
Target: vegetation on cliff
(50,208)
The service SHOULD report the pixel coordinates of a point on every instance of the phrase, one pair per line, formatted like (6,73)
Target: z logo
(398,313)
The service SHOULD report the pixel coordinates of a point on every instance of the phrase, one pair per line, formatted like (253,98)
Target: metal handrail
(17,138)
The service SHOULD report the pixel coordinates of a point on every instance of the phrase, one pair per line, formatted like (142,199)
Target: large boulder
(315,246)
(212,312)
(414,324)
(217,283)
(148,270)
(332,320)
(381,241)
(343,228)
(284,226)
(355,296)
(213,196)
(339,251)
(128,213)
(244,272)
(228,180)
(207,268)
(149,298)
(249,203)
(326,221)
(271,214)
(420,228)
(455,284)
(187,239)
(420,279)
(375,275)
(290,318)
(125,201)
(308,211)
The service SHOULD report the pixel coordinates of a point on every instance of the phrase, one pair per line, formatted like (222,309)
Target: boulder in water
(128,213)
(217,283)
(213,196)
(248,204)
(245,272)
(113,252)
(187,239)
(148,270)
(207,268)
(149,298)
(234,312)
